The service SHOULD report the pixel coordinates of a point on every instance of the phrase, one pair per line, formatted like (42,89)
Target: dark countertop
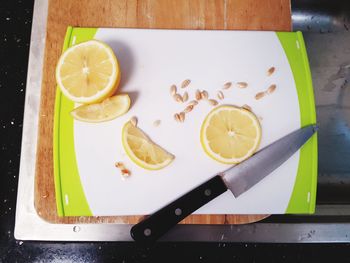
(15,28)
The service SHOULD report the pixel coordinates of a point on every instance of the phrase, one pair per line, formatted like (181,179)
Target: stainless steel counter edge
(29,226)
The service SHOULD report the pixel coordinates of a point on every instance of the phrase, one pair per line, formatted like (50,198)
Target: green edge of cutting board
(70,197)
(303,197)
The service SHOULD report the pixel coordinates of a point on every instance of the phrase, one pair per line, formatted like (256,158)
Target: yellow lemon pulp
(88,72)
(142,150)
(230,134)
(106,110)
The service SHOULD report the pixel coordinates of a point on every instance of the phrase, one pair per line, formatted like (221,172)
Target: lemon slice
(230,134)
(88,72)
(106,110)
(142,150)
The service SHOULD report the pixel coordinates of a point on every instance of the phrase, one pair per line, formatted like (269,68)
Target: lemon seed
(177,117)
(182,116)
(259,95)
(133,121)
(212,102)
(185,83)
(188,109)
(227,85)
(173,90)
(119,165)
(271,89)
(220,95)
(178,98)
(242,85)
(204,95)
(193,103)
(156,123)
(185,97)
(271,71)
(198,95)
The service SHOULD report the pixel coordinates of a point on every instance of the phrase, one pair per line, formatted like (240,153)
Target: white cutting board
(151,61)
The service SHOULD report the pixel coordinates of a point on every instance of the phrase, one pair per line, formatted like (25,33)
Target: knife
(238,179)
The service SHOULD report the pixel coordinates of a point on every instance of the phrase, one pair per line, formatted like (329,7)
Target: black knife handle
(157,224)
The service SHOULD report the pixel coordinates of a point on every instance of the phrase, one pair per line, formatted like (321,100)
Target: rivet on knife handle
(157,224)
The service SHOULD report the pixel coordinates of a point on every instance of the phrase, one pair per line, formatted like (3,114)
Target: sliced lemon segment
(230,134)
(142,150)
(88,72)
(106,110)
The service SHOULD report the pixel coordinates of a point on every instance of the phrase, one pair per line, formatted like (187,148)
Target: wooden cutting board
(171,14)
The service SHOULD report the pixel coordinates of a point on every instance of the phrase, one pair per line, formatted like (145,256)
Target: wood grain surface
(173,14)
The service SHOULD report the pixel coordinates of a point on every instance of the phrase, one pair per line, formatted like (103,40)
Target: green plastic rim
(70,196)
(303,197)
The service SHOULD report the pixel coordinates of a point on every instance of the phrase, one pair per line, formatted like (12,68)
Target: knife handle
(157,224)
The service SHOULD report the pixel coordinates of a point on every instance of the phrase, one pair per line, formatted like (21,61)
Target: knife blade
(238,179)
(243,176)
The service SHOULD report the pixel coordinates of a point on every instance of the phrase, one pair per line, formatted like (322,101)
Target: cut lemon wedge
(230,134)
(88,72)
(106,110)
(142,150)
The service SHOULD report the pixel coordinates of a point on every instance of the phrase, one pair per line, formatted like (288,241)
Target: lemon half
(106,110)
(142,150)
(88,72)
(230,134)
